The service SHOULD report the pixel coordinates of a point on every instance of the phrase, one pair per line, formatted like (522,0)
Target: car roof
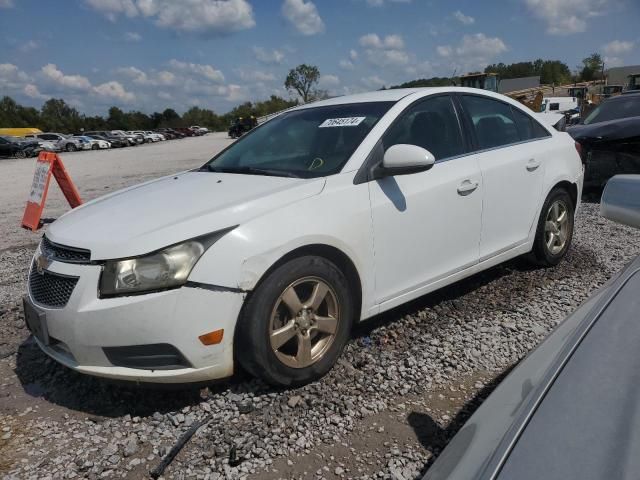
(396,94)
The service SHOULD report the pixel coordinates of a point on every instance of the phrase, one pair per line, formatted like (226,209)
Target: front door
(426,225)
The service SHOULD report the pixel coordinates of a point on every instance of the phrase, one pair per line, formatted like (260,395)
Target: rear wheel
(555,228)
(20,154)
(295,324)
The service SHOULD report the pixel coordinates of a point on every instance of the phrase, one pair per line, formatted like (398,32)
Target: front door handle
(466,187)
(532,164)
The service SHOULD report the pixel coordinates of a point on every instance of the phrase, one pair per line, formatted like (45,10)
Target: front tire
(95,146)
(555,229)
(295,325)
(70,147)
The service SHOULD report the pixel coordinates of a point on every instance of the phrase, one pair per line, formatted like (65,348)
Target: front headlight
(157,271)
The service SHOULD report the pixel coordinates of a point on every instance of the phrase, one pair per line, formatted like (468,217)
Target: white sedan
(93,143)
(322,217)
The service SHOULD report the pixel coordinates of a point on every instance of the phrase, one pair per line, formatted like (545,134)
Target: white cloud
(611,62)
(444,50)
(372,40)
(30,90)
(207,71)
(11,77)
(6,3)
(617,47)
(463,19)
(384,52)
(114,91)
(303,16)
(255,76)
(71,82)
(113,8)
(353,55)
(379,3)
(132,37)
(206,16)
(268,56)
(373,82)
(328,81)
(29,46)
(565,17)
(473,52)
(346,64)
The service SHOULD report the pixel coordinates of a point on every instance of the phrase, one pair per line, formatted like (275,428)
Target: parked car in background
(410,190)
(94,143)
(155,137)
(187,132)
(201,130)
(242,125)
(114,140)
(173,132)
(132,139)
(146,138)
(18,147)
(568,410)
(610,139)
(63,142)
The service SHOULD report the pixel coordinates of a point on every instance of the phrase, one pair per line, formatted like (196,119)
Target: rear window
(625,106)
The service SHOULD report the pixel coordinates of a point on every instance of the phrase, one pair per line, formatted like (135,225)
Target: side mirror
(404,159)
(621,200)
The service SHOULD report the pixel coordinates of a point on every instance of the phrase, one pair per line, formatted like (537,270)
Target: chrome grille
(62,253)
(50,289)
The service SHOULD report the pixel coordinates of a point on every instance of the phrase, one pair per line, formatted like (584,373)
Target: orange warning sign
(48,163)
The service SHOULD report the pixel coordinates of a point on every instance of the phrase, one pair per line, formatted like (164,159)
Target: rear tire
(295,325)
(555,229)
(20,154)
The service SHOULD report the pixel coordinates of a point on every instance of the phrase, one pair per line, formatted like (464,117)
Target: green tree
(57,116)
(592,67)
(303,79)
(117,120)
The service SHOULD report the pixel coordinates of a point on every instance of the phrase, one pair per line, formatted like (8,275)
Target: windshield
(621,107)
(308,143)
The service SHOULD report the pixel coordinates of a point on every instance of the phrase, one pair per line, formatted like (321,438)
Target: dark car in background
(116,141)
(569,410)
(18,147)
(610,139)
(242,125)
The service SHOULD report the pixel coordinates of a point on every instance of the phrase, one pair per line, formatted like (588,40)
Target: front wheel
(70,147)
(95,146)
(555,229)
(295,324)
(20,154)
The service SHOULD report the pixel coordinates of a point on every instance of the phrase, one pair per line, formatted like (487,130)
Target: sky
(150,55)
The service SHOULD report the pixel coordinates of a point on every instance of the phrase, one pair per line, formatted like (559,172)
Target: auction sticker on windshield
(342,122)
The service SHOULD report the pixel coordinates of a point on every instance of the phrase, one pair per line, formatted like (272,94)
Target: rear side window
(554,106)
(492,121)
(431,124)
(528,128)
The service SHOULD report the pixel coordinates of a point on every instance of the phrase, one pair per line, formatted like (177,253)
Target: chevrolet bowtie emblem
(42,263)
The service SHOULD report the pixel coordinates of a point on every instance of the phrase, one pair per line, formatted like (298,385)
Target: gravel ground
(406,382)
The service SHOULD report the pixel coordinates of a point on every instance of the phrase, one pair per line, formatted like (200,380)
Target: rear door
(512,165)
(426,225)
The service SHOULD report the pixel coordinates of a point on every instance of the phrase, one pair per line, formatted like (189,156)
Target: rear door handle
(532,164)
(466,187)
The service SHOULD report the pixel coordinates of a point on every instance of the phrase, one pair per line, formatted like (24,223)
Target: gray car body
(571,408)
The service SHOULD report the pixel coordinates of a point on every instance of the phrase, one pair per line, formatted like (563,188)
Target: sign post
(48,164)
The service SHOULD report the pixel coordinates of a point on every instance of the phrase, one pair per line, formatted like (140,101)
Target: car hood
(168,210)
(623,129)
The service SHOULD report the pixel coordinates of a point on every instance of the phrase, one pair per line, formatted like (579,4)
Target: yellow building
(19,132)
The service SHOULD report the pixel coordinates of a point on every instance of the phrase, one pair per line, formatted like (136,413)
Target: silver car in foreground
(570,409)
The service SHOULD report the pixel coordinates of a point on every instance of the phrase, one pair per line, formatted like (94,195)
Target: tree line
(56,115)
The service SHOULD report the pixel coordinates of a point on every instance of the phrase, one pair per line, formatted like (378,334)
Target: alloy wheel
(556,227)
(304,322)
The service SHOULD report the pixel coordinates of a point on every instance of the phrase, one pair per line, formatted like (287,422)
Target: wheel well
(571,189)
(334,255)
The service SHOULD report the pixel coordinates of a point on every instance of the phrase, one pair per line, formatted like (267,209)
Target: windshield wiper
(251,171)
